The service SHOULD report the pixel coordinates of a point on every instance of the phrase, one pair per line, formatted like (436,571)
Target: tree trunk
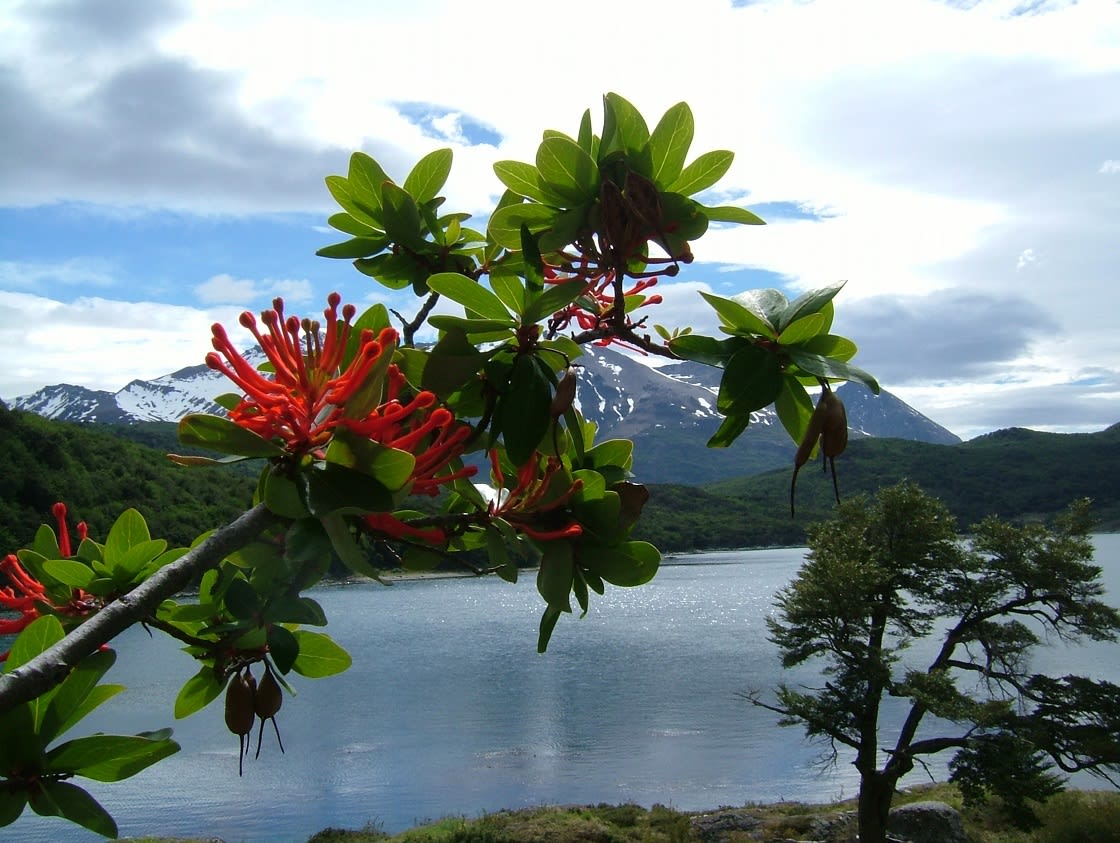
(875,795)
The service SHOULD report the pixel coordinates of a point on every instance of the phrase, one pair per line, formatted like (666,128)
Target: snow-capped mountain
(669,412)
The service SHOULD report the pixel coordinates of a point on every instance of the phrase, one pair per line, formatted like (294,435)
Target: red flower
(303,400)
(25,594)
(522,505)
(306,399)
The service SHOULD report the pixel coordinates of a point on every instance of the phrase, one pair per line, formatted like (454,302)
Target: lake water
(448,709)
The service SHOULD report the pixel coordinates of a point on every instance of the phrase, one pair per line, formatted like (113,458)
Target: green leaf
(365,178)
(628,564)
(481,330)
(525,180)
(20,746)
(611,452)
(566,169)
(554,576)
(555,297)
(803,329)
(12,803)
(62,799)
(429,175)
(420,559)
(348,225)
(736,315)
(391,467)
(625,130)
(532,265)
(731,213)
(729,430)
(128,530)
(525,417)
(813,301)
(831,345)
(702,173)
(469,293)
(706,350)
(343,194)
(332,488)
(401,216)
(669,143)
(769,305)
(751,381)
(828,367)
(197,693)
(281,496)
(548,623)
(241,599)
(282,647)
(505,223)
(794,406)
(454,360)
(508,287)
(357,247)
(220,434)
(347,549)
(319,655)
(108,758)
(71,572)
(41,634)
(68,705)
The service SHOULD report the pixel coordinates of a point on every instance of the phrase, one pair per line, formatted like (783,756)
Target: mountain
(668,411)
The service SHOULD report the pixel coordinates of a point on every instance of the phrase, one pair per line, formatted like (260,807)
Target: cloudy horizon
(957,163)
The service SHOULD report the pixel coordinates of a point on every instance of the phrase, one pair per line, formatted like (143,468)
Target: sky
(957,163)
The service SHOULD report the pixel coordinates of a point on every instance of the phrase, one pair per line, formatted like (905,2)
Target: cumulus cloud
(98,343)
(225,289)
(949,336)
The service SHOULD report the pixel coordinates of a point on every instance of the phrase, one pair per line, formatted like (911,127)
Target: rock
(720,825)
(927,822)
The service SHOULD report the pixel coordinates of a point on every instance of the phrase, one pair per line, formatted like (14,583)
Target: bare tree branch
(50,667)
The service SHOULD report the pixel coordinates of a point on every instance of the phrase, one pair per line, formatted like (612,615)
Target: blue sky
(958,163)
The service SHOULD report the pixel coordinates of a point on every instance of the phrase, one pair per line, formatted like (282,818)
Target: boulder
(927,822)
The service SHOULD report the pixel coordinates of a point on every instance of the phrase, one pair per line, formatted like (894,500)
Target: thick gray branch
(53,665)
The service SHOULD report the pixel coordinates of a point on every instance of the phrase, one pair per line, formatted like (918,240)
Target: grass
(1075,816)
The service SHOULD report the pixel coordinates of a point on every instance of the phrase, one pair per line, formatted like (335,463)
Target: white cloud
(32,275)
(225,289)
(98,343)
(946,142)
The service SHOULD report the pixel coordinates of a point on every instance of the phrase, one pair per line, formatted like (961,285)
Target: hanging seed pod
(268,701)
(241,712)
(829,426)
(565,394)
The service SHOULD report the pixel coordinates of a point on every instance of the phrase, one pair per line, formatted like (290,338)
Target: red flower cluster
(309,396)
(25,594)
(596,308)
(306,396)
(521,506)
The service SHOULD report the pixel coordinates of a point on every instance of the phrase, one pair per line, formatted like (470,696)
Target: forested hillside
(100,470)
(98,474)
(1015,473)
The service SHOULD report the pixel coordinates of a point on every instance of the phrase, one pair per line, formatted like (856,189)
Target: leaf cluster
(35,773)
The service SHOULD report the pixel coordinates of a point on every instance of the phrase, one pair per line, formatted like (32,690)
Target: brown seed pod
(241,711)
(829,426)
(269,698)
(565,394)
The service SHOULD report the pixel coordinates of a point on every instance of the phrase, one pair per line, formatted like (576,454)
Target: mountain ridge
(669,411)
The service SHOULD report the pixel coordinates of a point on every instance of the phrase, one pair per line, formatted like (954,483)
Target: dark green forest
(99,473)
(1016,474)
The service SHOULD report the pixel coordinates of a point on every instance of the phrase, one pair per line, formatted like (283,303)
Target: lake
(449,710)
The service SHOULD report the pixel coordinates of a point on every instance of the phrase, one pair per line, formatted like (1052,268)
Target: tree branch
(53,665)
